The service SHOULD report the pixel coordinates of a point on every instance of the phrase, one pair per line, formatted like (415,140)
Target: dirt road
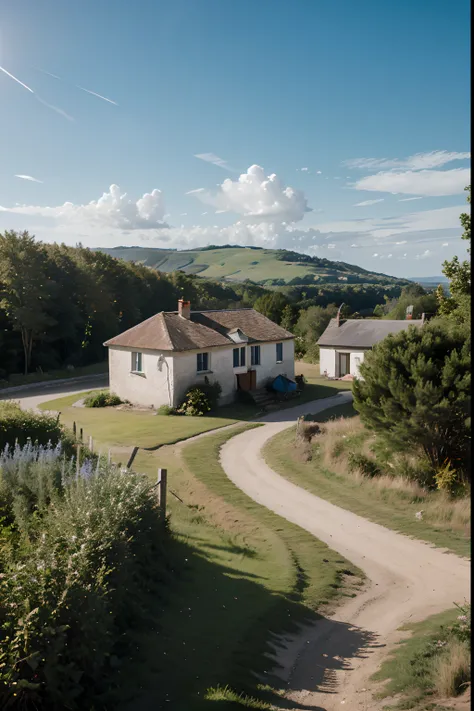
(329,665)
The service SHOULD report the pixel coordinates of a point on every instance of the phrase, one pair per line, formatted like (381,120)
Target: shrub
(102,399)
(416,468)
(166,410)
(212,391)
(75,584)
(364,464)
(195,402)
(23,425)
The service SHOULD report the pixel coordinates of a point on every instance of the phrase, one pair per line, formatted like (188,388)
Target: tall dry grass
(338,439)
(452,670)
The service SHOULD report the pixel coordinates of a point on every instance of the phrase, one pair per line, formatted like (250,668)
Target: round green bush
(102,399)
(195,402)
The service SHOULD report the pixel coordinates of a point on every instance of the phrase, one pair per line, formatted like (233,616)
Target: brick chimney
(184,308)
(409,313)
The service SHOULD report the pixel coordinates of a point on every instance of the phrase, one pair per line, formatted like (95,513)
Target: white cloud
(368,202)
(319,172)
(403,241)
(331,246)
(256,196)
(419,161)
(355,245)
(410,199)
(426,182)
(29,177)
(375,255)
(212,158)
(424,255)
(445,244)
(304,170)
(113,209)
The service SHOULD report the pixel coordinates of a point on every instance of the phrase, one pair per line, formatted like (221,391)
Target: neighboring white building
(344,343)
(155,363)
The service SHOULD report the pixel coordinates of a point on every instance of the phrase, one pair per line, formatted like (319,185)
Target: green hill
(269,267)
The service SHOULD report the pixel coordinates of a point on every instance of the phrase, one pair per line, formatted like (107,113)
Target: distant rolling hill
(269,267)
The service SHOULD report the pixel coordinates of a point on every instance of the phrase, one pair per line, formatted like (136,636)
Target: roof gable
(362,333)
(168,331)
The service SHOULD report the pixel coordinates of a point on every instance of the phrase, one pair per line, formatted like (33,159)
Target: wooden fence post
(162,482)
(80,434)
(91,444)
(74,429)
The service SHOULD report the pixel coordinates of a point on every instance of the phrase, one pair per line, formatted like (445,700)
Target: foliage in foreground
(415,393)
(77,552)
(23,425)
(433,662)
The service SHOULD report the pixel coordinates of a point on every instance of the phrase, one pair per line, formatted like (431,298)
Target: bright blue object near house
(283,384)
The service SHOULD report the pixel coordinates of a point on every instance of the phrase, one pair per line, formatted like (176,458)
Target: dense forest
(58,304)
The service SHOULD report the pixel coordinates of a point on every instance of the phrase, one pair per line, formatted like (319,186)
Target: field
(238,264)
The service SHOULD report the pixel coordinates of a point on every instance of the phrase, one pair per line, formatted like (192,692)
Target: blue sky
(371,98)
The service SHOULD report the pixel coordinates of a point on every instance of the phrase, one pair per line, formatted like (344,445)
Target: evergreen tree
(415,392)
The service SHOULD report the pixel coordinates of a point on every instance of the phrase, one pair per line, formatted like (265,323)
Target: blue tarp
(283,385)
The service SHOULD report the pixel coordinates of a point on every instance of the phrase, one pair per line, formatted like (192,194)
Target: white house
(344,343)
(155,362)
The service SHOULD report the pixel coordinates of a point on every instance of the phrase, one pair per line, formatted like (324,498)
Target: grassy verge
(390,502)
(243,575)
(19,379)
(432,663)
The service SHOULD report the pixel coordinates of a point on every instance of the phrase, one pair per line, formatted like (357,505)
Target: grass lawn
(20,379)
(243,574)
(392,508)
(126,428)
(410,672)
(110,427)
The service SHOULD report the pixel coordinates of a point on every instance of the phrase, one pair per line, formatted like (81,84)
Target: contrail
(49,74)
(98,95)
(54,108)
(15,79)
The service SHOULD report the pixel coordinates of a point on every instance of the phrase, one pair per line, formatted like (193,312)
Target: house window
(279,354)
(239,357)
(255,355)
(137,362)
(202,362)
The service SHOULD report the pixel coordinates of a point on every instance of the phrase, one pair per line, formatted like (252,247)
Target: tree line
(58,303)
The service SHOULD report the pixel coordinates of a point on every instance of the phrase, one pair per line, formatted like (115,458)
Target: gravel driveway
(330,663)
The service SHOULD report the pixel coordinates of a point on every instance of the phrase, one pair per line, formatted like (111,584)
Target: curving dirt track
(329,664)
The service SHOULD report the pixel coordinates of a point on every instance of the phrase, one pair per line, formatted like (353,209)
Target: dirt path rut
(329,664)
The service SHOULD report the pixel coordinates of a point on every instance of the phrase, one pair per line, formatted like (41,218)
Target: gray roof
(362,333)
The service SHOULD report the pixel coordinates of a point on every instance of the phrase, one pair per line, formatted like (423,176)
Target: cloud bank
(114,209)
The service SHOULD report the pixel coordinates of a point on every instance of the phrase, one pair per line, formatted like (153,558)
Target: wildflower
(87,469)
(462,618)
